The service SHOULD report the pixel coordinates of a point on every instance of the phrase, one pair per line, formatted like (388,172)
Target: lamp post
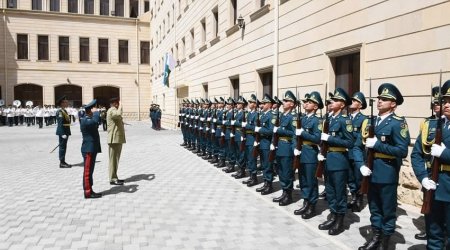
(241,22)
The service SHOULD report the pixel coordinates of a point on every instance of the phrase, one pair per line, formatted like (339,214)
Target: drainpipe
(275,50)
(137,70)
(4,57)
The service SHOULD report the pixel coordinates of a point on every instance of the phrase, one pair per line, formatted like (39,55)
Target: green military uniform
(116,137)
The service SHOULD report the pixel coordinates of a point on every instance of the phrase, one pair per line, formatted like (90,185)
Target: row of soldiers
(155,116)
(15,116)
(363,153)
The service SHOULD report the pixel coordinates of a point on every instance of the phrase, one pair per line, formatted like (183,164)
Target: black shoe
(207,157)
(183,144)
(374,243)
(92,196)
(229,169)
(421,236)
(384,242)
(287,199)
(260,189)
(64,165)
(240,174)
(303,209)
(268,189)
(116,182)
(221,163)
(310,212)
(253,180)
(338,226)
(214,160)
(278,199)
(359,203)
(329,223)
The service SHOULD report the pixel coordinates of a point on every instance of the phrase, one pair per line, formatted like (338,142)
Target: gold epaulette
(426,145)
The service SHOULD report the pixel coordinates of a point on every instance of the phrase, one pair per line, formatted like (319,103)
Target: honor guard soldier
(265,131)
(390,146)
(220,156)
(237,137)
(276,113)
(425,149)
(63,130)
(310,133)
(339,140)
(182,115)
(209,127)
(284,149)
(90,147)
(248,129)
(354,175)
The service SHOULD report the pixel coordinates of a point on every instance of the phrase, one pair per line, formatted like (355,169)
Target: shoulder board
(398,118)
(345,116)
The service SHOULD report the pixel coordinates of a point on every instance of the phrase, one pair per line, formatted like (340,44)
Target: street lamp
(241,22)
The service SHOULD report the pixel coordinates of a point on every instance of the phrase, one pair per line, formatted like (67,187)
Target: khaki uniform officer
(116,137)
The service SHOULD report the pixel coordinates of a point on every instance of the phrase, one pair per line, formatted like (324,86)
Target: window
(134,8)
(216,21)
(119,8)
(205,90)
(72,6)
(163,33)
(103,51)
(235,87)
(64,48)
(146,6)
(203,25)
(233,11)
(267,82)
(262,3)
(42,47)
(168,22)
(123,51)
(177,56)
(55,5)
(104,7)
(179,7)
(36,4)
(12,4)
(347,70)
(192,40)
(84,49)
(22,46)
(145,52)
(88,6)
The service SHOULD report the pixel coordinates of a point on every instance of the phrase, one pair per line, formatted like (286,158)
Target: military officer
(265,130)
(116,138)
(248,129)
(238,136)
(63,130)
(220,158)
(229,136)
(339,140)
(390,144)
(90,147)
(285,150)
(182,115)
(310,133)
(276,113)
(354,175)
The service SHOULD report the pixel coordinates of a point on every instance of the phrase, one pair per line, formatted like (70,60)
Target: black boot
(374,243)
(214,159)
(278,199)
(303,209)
(207,157)
(385,242)
(268,189)
(338,226)
(253,180)
(421,236)
(260,189)
(358,206)
(310,212)
(221,163)
(248,180)
(329,223)
(63,164)
(183,144)
(241,174)
(229,169)
(287,199)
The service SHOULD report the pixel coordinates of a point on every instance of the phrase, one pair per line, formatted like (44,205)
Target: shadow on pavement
(121,189)
(81,164)
(140,177)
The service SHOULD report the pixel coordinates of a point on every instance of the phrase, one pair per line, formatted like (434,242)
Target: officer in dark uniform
(310,133)
(237,137)
(265,134)
(90,147)
(248,129)
(220,155)
(182,121)
(229,137)
(275,113)
(63,130)
(437,221)
(354,175)
(285,149)
(390,144)
(339,140)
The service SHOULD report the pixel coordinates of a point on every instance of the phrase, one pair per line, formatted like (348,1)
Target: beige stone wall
(132,78)
(403,43)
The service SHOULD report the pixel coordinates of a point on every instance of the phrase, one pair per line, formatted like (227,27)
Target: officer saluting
(390,145)
(90,147)
(63,130)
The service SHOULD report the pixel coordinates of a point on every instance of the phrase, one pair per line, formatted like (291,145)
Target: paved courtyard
(172,199)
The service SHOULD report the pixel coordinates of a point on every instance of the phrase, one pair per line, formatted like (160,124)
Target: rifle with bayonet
(296,163)
(255,151)
(233,128)
(214,124)
(323,144)
(243,136)
(370,151)
(272,153)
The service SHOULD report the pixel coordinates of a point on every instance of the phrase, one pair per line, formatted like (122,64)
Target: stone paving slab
(172,200)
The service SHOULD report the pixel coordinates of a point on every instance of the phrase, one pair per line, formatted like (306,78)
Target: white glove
(275,129)
(186,123)
(272,147)
(207,129)
(320,157)
(370,142)
(243,138)
(222,134)
(196,117)
(64,136)
(244,124)
(365,171)
(255,143)
(202,119)
(209,119)
(428,184)
(436,150)
(231,135)
(298,132)
(257,129)
(201,128)
(190,126)
(297,152)
(214,120)
(233,122)
(324,137)
(195,126)
(213,131)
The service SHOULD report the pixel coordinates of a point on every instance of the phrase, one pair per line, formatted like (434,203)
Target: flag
(169,65)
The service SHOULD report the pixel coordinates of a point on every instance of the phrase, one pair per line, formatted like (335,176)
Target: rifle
(370,152)
(255,151)
(233,128)
(272,153)
(179,117)
(296,163)
(323,144)
(428,194)
(222,137)
(214,125)
(243,136)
